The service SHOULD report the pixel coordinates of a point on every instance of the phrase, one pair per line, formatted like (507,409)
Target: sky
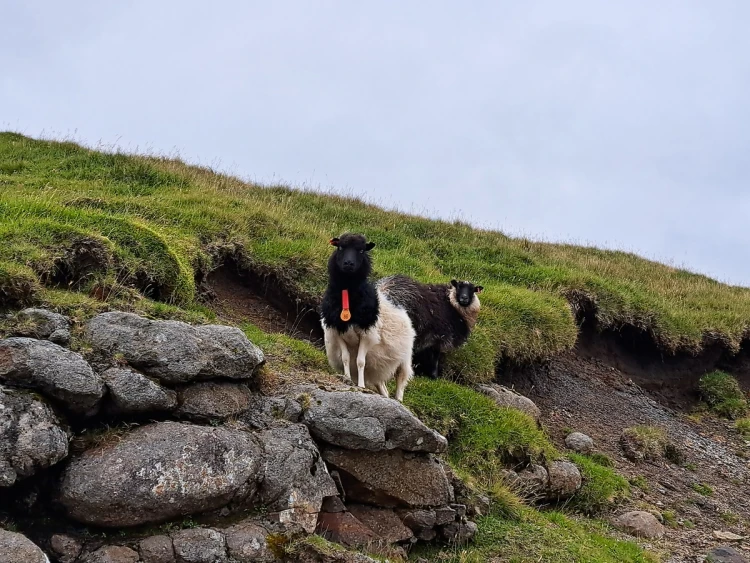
(622,124)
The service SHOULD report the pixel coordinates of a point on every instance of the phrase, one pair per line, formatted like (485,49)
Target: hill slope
(115,226)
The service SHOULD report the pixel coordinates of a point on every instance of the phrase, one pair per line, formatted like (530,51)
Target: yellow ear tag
(345,315)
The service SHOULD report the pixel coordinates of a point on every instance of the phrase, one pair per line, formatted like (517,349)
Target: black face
(465,292)
(351,256)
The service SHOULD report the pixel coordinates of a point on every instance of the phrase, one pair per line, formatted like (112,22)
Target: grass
(723,394)
(743,427)
(111,224)
(540,536)
(702,489)
(649,440)
(602,487)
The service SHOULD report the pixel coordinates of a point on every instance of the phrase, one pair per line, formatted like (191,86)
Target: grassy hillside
(143,226)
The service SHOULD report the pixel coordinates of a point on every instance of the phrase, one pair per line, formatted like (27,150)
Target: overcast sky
(619,124)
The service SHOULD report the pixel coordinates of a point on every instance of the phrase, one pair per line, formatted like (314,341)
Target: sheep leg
(383,388)
(433,355)
(364,346)
(345,358)
(403,375)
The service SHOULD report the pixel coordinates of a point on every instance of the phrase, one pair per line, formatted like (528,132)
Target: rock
(363,421)
(161,471)
(344,528)
(296,480)
(263,411)
(725,554)
(532,482)
(383,521)
(157,549)
(213,401)
(332,504)
(391,478)
(112,554)
(314,552)
(564,479)
(200,545)
(247,543)
(15,548)
(639,524)
(419,520)
(459,532)
(133,392)
(45,325)
(579,442)
(173,351)
(727,536)
(504,397)
(67,548)
(445,515)
(52,370)
(31,436)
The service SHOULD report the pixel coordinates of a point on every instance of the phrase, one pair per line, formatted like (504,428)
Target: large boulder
(32,437)
(161,471)
(383,521)
(43,324)
(579,442)
(173,351)
(134,393)
(213,400)
(505,397)
(52,370)
(363,421)
(639,524)
(532,482)
(391,478)
(295,480)
(346,529)
(15,548)
(564,479)
(725,554)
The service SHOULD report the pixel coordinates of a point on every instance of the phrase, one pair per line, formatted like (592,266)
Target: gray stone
(296,480)
(419,520)
(264,411)
(639,524)
(157,549)
(66,548)
(383,521)
(43,324)
(52,370)
(173,351)
(391,478)
(247,543)
(532,482)
(445,515)
(363,421)
(213,401)
(505,397)
(161,471)
(112,554)
(459,532)
(579,442)
(725,554)
(564,479)
(16,548)
(345,528)
(200,545)
(332,504)
(133,392)
(32,437)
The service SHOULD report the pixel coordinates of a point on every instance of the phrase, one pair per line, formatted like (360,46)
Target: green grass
(154,223)
(723,394)
(743,427)
(650,440)
(702,489)
(602,487)
(540,536)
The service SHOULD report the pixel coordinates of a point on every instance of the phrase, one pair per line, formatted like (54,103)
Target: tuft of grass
(702,489)
(482,436)
(649,440)
(285,353)
(723,394)
(670,518)
(602,459)
(729,518)
(602,487)
(743,427)
(164,224)
(640,482)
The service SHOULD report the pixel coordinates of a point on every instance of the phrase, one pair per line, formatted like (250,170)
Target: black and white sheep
(443,315)
(372,328)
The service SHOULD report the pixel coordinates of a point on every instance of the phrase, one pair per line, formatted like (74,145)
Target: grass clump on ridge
(602,487)
(159,222)
(723,394)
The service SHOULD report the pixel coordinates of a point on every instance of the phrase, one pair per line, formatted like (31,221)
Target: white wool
(470,312)
(389,348)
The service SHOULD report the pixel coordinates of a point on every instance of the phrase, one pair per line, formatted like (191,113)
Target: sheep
(443,315)
(360,321)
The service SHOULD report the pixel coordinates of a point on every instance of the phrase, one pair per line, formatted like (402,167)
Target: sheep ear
(334,242)
(454,283)
(370,246)
(478,289)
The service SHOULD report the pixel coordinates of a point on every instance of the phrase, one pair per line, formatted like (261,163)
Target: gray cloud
(623,125)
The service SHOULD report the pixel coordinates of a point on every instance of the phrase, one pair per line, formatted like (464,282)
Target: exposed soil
(239,296)
(605,386)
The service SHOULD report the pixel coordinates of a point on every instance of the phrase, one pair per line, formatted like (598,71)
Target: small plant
(640,482)
(690,466)
(602,487)
(643,442)
(702,489)
(743,427)
(670,518)
(602,459)
(729,517)
(723,394)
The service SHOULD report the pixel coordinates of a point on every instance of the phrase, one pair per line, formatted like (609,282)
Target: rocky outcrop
(52,370)
(505,397)
(213,400)
(199,545)
(173,351)
(15,548)
(161,471)
(133,392)
(32,437)
(44,325)
(362,421)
